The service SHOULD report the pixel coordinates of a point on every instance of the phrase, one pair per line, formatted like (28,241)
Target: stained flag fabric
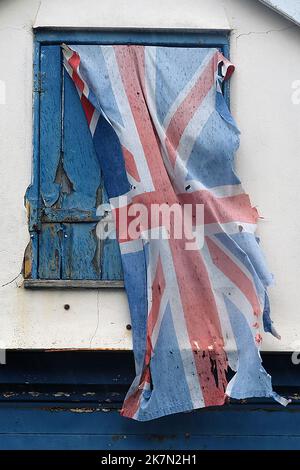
(195,312)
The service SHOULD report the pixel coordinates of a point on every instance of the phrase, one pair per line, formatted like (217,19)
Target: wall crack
(269,31)
(98,319)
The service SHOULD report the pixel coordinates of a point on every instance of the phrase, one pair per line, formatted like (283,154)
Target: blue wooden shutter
(70,184)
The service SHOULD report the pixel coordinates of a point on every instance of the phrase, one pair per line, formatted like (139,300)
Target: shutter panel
(70,184)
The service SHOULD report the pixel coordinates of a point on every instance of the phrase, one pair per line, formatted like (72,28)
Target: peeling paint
(84,410)
(55,409)
(9,394)
(61,394)
(64,182)
(34,394)
(27,261)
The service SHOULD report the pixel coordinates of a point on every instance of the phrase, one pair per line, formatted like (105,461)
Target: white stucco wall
(266,50)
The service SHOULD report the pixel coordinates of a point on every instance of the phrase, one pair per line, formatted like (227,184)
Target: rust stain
(61,394)
(9,394)
(75,410)
(27,261)
(28,209)
(84,410)
(118,437)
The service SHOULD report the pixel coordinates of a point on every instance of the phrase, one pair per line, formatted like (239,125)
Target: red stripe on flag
(235,274)
(88,108)
(74,62)
(216,210)
(188,108)
(202,321)
(130,164)
(221,209)
(158,288)
(131,63)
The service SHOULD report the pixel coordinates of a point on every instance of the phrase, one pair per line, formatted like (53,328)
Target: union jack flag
(194,313)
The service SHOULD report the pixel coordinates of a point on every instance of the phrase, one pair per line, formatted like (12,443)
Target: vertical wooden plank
(111,264)
(81,169)
(80,252)
(50,122)
(32,196)
(108,146)
(50,251)
(111,261)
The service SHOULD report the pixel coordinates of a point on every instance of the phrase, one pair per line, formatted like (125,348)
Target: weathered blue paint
(81,169)
(67,185)
(70,400)
(45,426)
(80,252)
(32,196)
(50,123)
(175,38)
(110,261)
(110,254)
(73,214)
(70,184)
(70,251)
(112,367)
(50,251)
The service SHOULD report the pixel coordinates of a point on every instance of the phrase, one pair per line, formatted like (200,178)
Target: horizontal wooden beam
(71,284)
(175,37)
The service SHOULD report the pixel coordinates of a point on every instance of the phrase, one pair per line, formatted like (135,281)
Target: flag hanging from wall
(197,300)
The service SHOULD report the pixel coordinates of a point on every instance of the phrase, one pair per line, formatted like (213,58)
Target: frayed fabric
(164,136)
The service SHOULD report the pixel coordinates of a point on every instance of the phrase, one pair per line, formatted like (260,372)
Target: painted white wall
(195,14)
(266,50)
(289,8)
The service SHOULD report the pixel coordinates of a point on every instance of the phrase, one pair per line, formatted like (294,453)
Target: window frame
(44,36)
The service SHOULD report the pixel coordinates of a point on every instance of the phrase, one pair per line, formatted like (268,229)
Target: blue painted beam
(70,400)
(176,38)
(48,427)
